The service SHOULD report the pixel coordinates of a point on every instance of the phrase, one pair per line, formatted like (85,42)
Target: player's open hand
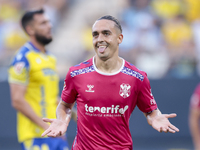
(162,124)
(57,128)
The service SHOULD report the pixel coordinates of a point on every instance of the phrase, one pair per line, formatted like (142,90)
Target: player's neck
(38,45)
(110,65)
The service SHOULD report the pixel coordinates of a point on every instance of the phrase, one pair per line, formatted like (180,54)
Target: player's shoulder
(20,55)
(131,69)
(82,65)
(82,68)
(23,51)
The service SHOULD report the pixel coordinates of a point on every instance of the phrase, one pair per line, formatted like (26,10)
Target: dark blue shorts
(45,144)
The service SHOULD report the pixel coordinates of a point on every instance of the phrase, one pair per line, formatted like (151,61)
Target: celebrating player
(107,89)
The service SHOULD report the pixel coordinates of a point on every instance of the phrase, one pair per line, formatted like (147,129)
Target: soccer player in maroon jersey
(107,89)
(194,117)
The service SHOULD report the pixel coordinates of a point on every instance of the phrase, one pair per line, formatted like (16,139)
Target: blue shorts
(45,144)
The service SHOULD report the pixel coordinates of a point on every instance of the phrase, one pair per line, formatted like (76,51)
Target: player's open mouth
(101,49)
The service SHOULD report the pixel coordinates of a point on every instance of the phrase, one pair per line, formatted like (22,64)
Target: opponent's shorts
(45,144)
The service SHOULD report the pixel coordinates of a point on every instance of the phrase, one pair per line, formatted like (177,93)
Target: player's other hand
(162,124)
(57,128)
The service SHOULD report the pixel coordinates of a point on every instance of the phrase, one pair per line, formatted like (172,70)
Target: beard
(42,39)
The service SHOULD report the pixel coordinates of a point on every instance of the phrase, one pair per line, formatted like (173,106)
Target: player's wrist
(149,119)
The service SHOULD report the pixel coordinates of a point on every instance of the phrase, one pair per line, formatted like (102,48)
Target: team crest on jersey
(125,90)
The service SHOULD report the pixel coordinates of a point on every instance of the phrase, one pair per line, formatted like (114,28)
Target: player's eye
(94,34)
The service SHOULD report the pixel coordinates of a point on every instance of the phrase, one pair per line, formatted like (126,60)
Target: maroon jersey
(105,103)
(195,99)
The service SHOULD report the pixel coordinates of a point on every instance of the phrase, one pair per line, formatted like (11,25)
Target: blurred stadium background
(161,37)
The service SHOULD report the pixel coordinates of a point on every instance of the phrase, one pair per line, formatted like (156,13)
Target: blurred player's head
(37,25)
(107,35)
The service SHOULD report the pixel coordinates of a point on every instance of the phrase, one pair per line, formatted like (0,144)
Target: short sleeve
(195,98)
(18,71)
(69,92)
(145,101)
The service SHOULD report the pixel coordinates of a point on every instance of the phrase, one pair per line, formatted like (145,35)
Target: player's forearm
(23,107)
(64,112)
(151,116)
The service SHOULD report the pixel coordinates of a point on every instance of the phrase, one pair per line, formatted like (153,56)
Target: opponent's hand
(57,128)
(162,124)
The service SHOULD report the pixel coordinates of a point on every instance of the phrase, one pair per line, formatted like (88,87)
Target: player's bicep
(17,92)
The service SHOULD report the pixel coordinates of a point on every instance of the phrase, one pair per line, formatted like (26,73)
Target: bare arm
(194,117)
(59,126)
(20,104)
(160,121)
(64,112)
(73,112)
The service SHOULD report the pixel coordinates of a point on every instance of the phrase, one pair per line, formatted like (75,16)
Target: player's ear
(120,38)
(30,30)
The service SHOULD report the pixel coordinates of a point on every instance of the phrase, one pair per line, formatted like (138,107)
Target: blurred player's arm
(59,126)
(194,118)
(19,103)
(160,121)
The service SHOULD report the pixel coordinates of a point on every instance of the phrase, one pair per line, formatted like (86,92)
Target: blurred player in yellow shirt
(34,85)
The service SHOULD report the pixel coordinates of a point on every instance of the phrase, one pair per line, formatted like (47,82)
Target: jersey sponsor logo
(90,88)
(113,110)
(48,71)
(125,90)
(132,73)
(19,67)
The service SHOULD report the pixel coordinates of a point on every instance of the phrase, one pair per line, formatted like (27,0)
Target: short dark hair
(108,17)
(28,17)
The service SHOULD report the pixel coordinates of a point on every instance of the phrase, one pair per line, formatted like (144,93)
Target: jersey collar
(33,47)
(100,72)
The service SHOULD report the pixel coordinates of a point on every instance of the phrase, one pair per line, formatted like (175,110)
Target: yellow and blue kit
(37,71)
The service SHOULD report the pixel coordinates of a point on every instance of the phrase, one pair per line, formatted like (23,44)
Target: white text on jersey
(112,109)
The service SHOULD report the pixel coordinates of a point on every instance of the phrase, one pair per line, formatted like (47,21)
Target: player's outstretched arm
(160,122)
(59,126)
